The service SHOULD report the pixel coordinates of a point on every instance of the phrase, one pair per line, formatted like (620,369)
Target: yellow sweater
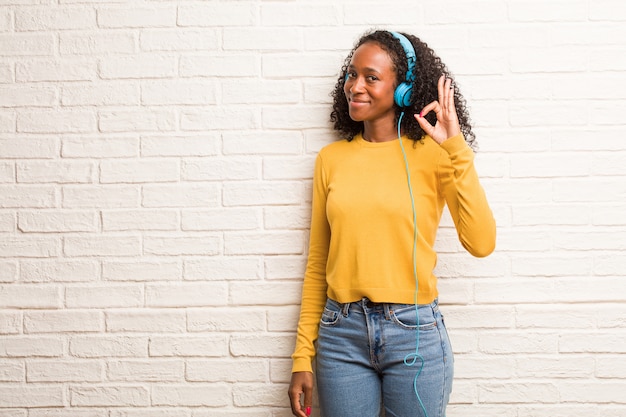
(361,238)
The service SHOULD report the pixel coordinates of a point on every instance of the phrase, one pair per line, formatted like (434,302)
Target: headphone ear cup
(402,95)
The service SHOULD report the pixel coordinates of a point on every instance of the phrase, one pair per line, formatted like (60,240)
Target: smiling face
(370,85)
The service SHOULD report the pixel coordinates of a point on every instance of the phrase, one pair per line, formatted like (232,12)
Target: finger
(308,400)
(440,88)
(447,93)
(432,106)
(296,408)
(424,124)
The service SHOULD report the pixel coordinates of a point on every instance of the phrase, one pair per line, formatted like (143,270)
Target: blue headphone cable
(414,357)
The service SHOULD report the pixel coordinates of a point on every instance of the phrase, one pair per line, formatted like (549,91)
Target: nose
(355,84)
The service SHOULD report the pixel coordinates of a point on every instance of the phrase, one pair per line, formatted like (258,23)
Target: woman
(369,313)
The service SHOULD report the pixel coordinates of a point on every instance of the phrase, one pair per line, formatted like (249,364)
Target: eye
(351,74)
(372,78)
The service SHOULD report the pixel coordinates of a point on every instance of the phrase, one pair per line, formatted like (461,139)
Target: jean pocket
(407,318)
(330,315)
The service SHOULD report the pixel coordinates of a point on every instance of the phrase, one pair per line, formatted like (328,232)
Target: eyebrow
(366,69)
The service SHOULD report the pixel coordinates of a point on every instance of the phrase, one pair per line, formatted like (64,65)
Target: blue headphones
(402,95)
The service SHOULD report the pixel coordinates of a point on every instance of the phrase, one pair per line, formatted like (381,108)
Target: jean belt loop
(345,307)
(387,308)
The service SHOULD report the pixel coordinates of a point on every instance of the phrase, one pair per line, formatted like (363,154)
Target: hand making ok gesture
(447,124)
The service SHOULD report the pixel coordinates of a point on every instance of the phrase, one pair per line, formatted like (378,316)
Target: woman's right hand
(301,385)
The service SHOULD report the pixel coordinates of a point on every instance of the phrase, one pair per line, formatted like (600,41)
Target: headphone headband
(402,95)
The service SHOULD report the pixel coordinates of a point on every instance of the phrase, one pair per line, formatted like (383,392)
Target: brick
(204,145)
(140,220)
(212,169)
(515,393)
(262,193)
(137,67)
(62,18)
(553,12)
(27,44)
(284,267)
(254,395)
(104,296)
(216,65)
(282,65)
(27,96)
(610,366)
(288,168)
(262,38)
(225,370)
(12,371)
(33,247)
(57,121)
(30,296)
(54,172)
(7,222)
(509,343)
(8,271)
(597,392)
(196,395)
(107,396)
(139,171)
(137,121)
(95,44)
(29,148)
(263,345)
(67,412)
(55,70)
(221,219)
(223,268)
(300,15)
(219,118)
(100,196)
(58,321)
(142,270)
(213,345)
(182,245)
(273,143)
(180,39)
(306,117)
(10,322)
(64,371)
(186,294)
(239,319)
(100,147)
(102,246)
(266,92)
(181,92)
(148,371)
(59,271)
(8,119)
(150,412)
(272,293)
(275,243)
(556,367)
(217,14)
(354,13)
(21,347)
(601,342)
(145,320)
(136,17)
(282,319)
(120,93)
(100,346)
(57,221)
(29,396)
(181,195)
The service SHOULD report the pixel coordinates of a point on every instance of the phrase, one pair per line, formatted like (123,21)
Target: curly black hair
(428,69)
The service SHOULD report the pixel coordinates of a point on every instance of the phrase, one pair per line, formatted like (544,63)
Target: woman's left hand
(447,124)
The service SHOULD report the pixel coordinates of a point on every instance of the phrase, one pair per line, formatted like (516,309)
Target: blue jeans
(361,369)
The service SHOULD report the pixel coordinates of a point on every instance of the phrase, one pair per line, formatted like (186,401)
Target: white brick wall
(155,168)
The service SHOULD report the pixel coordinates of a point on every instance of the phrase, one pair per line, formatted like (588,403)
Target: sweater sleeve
(466,198)
(314,286)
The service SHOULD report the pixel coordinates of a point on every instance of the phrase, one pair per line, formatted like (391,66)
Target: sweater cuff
(455,144)
(301,365)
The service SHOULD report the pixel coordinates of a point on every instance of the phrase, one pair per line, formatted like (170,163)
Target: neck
(379,132)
